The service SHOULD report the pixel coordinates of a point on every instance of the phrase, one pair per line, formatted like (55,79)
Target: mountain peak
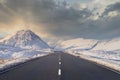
(26,34)
(25,39)
(25,31)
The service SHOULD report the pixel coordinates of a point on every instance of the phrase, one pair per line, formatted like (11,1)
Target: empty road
(59,66)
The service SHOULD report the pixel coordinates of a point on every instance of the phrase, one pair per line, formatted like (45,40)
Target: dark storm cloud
(46,10)
(61,19)
(105,28)
(109,26)
(112,7)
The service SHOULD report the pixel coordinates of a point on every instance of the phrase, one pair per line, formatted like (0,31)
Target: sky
(55,20)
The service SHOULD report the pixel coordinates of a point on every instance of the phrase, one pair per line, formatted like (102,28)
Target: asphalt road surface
(59,66)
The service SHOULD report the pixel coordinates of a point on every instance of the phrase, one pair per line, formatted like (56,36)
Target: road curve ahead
(59,66)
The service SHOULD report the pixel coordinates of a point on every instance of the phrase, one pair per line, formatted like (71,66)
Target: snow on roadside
(104,52)
(109,59)
(13,58)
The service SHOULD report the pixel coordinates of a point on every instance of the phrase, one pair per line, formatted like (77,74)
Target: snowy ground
(107,58)
(10,56)
(105,52)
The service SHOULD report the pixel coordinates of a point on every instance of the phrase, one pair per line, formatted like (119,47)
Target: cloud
(112,8)
(55,20)
(55,17)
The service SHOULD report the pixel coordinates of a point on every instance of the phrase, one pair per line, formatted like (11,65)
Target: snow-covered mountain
(24,39)
(108,45)
(78,43)
(21,46)
(90,44)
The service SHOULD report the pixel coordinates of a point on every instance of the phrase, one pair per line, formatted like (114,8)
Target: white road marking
(59,58)
(59,63)
(59,72)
